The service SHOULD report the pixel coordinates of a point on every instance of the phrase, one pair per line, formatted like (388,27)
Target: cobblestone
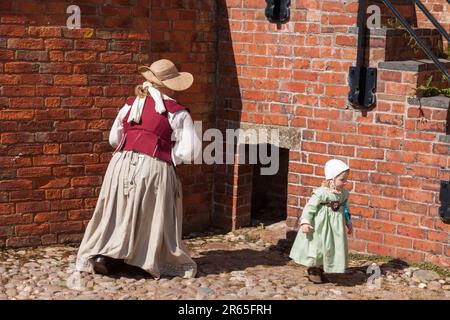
(229,267)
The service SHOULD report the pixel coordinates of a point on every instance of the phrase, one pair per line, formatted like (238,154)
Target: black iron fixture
(362,79)
(444,197)
(413,34)
(277,11)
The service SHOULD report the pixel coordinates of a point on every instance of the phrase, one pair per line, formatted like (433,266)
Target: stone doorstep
(412,65)
(441,102)
(388,32)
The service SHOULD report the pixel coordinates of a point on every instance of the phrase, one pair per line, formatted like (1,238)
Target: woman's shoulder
(173,106)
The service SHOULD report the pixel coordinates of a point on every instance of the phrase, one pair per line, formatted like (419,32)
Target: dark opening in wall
(269,192)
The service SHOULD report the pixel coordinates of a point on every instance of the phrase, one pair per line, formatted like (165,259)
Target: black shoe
(104,265)
(315,275)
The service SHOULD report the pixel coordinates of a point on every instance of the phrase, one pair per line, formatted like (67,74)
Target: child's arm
(348,217)
(310,210)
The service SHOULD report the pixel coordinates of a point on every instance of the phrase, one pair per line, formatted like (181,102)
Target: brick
(383,179)
(419,196)
(6,208)
(96,169)
(15,219)
(21,67)
(70,238)
(13,138)
(411,232)
(426,172)
(9,185)
(63,227)
(368,235)
(78,193)
(68,171)
(12,30)
(55,67)
(50,217)
(396,241)
(44,32)
(52,194)
(16,242)
(18,91)
(80,56)
(34,206)
(370,153)
(86,181)
(97,45)
(362,164)
(314,147)
(29,43)
(341,150)
(29,230)
(77,147)
(388,167)
(381,226)
(64,205)
(412,207)
(437,236)
(428,246)
(409,255)
(115,57)
(33,172)
(381,249)
(82,158)
(6,231)
(71,80)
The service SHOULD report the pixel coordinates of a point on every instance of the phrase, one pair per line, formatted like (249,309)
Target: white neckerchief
(138,104)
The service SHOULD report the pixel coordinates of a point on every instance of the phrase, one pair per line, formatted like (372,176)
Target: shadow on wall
(228,110)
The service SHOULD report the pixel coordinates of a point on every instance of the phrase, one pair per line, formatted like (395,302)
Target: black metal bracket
(278,11)
(361,78)
(444,198)
(362,90)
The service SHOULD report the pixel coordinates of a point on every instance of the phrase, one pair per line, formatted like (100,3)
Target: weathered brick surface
(398,152)
(60,92)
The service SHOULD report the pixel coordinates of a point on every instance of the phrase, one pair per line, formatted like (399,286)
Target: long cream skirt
(138,218)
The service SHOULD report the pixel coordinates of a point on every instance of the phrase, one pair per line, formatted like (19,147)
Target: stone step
(419,65)
(387,44)
(419,71)
(441,102)
(406,8)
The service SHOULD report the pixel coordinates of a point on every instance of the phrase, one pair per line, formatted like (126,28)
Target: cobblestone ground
(249,264)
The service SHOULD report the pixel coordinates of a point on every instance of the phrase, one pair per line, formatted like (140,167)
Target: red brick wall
(440,10)
(295,76)
(62,89)
(60,92)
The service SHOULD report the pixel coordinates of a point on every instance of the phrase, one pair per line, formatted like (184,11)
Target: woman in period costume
(138,216)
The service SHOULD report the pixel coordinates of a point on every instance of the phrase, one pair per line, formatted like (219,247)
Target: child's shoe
(315,275)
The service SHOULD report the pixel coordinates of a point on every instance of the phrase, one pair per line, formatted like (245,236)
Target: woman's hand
(306,228)
(349,229)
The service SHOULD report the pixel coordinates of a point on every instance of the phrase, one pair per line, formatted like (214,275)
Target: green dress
(326,245)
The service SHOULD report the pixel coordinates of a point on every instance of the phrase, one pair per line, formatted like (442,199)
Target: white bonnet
(335,167)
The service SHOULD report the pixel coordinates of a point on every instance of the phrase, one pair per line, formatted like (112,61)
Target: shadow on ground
(220,261)
(359,275)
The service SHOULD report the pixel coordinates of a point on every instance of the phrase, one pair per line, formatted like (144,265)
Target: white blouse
(187,144)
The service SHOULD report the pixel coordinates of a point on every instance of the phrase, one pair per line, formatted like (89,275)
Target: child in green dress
(321,243)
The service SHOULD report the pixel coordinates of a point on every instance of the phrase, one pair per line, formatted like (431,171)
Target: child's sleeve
(310,210)
(348,217)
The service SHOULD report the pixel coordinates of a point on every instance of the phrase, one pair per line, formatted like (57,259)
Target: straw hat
(164,73)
